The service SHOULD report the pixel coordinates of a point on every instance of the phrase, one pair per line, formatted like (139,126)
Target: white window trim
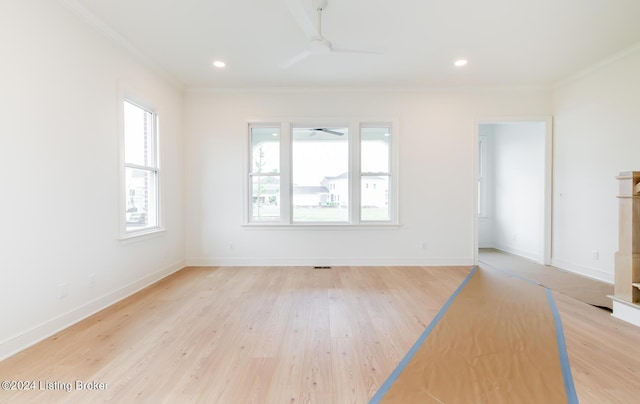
(286,211)
(148,232)
(392,174)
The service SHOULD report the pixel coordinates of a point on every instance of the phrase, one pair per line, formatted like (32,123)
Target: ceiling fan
(318,44)
(325,130)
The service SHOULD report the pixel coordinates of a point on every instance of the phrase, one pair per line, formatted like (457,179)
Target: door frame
(544,256)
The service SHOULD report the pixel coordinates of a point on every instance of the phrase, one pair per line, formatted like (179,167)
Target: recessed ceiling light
(460,62)
(274,134)
(219,64)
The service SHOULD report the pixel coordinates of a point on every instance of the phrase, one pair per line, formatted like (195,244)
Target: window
(265,173)
(141,168)
(321,174)
(375,158)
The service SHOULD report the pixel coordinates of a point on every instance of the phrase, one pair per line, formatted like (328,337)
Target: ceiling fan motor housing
(320,46)
(319,4)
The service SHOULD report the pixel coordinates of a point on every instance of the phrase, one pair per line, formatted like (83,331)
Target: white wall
(597,135)
(437,180)
(519,188)
(59,173)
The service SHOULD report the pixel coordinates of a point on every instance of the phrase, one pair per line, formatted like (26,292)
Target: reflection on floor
(581,288)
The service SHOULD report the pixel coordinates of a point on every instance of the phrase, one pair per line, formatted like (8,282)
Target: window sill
(142,235)
(322,226)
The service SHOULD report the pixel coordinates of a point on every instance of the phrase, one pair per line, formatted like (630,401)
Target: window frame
(286,184)
(154,169)
(331,124)
(392,197)
(251,174)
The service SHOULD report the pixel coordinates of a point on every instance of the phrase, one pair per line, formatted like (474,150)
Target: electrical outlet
(596,255)
(92,280)
(423,245)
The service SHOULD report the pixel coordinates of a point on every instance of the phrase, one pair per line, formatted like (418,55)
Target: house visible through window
(375,170)
(320,174)
(141,168)
(311,174)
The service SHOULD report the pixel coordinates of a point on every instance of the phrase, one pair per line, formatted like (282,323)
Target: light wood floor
(287,335)
(581,288)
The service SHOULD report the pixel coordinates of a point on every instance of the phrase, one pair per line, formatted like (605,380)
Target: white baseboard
(532,255)
(626,312)
(584,271)
(417,261)
(15,344)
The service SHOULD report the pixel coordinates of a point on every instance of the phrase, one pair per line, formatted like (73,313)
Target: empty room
(320,201)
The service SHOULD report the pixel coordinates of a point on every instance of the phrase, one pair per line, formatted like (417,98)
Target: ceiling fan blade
(356,51)
(301,16)
(333,132)
(297,58)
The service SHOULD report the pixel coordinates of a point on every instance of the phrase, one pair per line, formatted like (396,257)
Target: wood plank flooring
(579,287)
(285,335)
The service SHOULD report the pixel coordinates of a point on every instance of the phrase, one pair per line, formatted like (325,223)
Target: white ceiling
(507,42)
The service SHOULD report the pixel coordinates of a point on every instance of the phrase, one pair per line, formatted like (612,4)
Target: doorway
(513,193)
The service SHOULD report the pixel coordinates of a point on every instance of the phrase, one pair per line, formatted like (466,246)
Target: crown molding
(103,28)
(364,90)
(597,66)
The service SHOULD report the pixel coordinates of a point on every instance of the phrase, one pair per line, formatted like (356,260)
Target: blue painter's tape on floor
(569,387)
